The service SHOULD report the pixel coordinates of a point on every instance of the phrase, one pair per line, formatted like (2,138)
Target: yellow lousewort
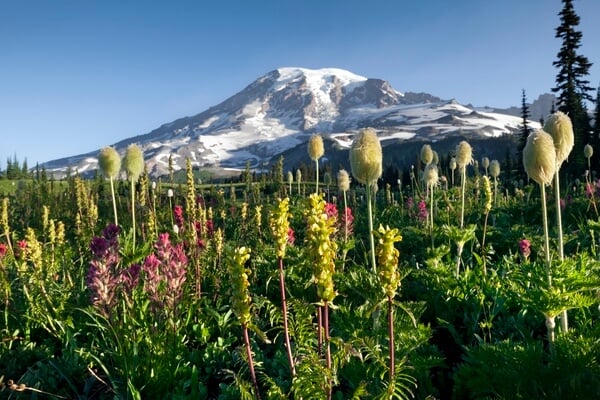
(280,225)
(559,126)
(109,162)
(134,162)
(316,149)
(539,157)
(464,154)
(487,189)
(494,168)
(426,154)
(387,259)
(366,157)
(321,247)
(343,179)
(241,301)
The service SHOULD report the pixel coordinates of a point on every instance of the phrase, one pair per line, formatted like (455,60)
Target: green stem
(317,175)
(549,320)
(463,170)
(285,319)
(133,211)
(114,201)
(371,238)
(391,335)
(327,348)
(564,319)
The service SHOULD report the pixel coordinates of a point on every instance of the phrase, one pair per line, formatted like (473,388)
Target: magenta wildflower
(525,249)
(3,250)
(178,214)
(210,228)
(331,210)
(291,238)
(165,273)
(423,213)
(347,221)
(102,277)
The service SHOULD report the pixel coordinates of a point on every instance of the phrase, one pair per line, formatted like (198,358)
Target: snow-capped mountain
(280,110)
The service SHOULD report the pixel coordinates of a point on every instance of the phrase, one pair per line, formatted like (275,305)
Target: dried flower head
(343,179)
(109,162)
(464,154)
(453,163)
(426,154)
(485,162)
(134,162)
(539,157)
(559,126)
(494,168)
(588,151)
(430,175)
(316,149)
(366,157)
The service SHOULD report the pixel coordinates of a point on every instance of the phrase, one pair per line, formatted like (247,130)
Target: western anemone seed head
(436,158)
(134,162)
(559,126)
(588,151)
(494,168)
(426,154)
(316,149)
(290,177)
(366,157)
(464,154)
(485,162)
(430,175)
(453,163)
(110,162)
(343,179)
(539,157)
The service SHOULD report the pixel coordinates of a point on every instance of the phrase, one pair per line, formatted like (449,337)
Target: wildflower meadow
(458,283)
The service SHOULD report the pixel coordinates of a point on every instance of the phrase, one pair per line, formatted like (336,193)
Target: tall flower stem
(114,201)
(327,347)
(463,175)
(370,217)
(285,319)
(391,336)
(549,320)
(133,211)
(564,319)
(250,361)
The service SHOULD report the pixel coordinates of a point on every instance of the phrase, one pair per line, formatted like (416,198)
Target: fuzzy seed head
(436,158)
(109,162)
(485,162)
(134,162)
(453,163)
(539,157)
(495,168)
(588,151)
(343,179)
(559,126)
(430,175)
(426,154)
(366,157)
(464,154)
(316,149)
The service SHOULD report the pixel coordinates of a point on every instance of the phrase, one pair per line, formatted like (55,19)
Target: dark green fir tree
(524,131)
(572,87)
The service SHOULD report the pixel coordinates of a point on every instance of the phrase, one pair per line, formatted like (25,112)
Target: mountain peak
(280,110)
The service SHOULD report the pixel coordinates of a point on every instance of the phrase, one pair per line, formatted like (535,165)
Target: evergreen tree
(524,131)
(595,141)
(571,84)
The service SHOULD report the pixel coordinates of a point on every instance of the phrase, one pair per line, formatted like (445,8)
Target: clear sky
(77,75)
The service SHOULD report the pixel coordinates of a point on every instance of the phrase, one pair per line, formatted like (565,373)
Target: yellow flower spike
(387,258)
(320,246)
(241,300)
(487,189)
(60,233)
(279,222)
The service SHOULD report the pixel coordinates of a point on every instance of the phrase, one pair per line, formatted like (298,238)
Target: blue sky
(77,75)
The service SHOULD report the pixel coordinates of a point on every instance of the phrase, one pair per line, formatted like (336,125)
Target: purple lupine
(165,273)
